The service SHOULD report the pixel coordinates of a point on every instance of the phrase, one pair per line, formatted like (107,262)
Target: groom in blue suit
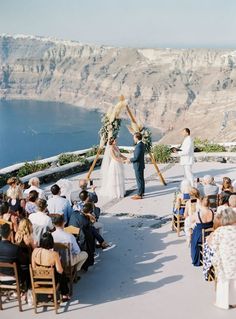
(138,164)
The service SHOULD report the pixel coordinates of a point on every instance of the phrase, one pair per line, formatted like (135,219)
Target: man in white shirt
(78,257)
(187,155)
(40,220)
(58,204)
(34,186)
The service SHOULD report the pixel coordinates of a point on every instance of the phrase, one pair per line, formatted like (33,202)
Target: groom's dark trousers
(139,166)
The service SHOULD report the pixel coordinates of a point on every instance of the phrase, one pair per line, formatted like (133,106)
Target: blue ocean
(31,130)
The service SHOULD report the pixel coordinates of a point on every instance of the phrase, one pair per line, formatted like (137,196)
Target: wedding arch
(111,122)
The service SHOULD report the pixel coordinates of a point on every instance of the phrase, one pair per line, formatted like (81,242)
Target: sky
(126,23)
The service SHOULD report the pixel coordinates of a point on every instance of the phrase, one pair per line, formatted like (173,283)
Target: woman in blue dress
(203,219)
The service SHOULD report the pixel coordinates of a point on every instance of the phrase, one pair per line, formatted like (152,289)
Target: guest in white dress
(224,259)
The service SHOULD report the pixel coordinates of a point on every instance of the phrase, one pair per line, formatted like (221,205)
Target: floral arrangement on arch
(146,133)
(111,123)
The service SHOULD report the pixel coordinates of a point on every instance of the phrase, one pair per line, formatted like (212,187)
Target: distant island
(167,88)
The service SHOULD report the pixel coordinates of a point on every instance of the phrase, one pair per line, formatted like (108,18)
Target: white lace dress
(113,179)
(224,261)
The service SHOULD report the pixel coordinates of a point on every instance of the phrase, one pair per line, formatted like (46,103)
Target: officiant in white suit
(186,154)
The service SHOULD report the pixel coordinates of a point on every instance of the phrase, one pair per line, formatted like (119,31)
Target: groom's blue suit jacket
(138,159)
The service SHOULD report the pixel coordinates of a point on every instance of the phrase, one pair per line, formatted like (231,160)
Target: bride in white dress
(112,172)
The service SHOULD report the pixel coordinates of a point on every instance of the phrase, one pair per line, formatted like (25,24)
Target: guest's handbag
(210,274)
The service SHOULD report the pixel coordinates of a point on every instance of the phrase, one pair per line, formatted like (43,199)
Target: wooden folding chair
(72,230)
(8,283)
(177,223)
(43,283)
(178,219)
(70,271)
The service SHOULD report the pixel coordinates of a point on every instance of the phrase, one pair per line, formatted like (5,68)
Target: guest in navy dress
(204,219)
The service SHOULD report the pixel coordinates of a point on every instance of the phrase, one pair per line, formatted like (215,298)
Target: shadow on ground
(133,268)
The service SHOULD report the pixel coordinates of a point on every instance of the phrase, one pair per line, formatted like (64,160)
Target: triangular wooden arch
(133,120)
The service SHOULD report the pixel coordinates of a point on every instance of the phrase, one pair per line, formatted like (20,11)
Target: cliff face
(167,88)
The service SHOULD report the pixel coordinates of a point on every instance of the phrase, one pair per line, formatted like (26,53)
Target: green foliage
(161,153)
(213,148)
(233,149)
(70,158)
(122,150)
(147,139)
(3,179)
(93,151)
(30,168)
(206,146)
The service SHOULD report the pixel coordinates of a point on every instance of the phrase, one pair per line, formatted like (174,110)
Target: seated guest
(14,190)
(78,257)
(24,239)
(207,248)
(31,206)
(227,188)
(208,186)
(88,233)
(224,260)
(40,220)
(15,195)
(83,184)
(85,198)
(182,197)
(192,206)
(24,235)
(223,202)
(9,215)
(59,205)
(232,202)
(203,219)
(9,252)
(227,185)
(46,257)
(34,186)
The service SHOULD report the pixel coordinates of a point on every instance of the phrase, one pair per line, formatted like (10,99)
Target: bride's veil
(105,167)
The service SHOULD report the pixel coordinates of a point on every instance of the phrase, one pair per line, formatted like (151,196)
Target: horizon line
(155,47)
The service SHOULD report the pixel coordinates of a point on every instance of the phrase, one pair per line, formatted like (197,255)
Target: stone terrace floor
(149,272)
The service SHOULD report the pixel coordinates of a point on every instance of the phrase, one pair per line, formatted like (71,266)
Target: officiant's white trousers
(188,173)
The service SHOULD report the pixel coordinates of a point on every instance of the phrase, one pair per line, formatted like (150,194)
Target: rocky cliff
(167,88)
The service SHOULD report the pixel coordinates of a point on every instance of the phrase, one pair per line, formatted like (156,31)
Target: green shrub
(212,147)
(30,168)
(3,180)
(122,150)
(161,153)
(233,149)
(71,158)
(93,151)
(206,146)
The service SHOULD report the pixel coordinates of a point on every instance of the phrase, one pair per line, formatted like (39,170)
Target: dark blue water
(31,130)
